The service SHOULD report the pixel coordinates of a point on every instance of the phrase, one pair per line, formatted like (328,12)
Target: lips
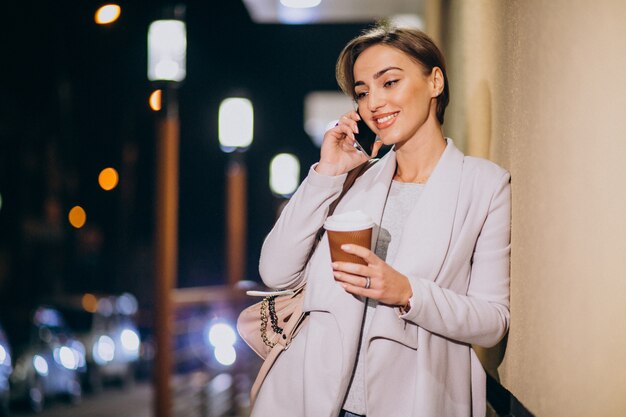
(385,120)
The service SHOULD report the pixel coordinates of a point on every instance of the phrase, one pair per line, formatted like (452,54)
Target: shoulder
(485,180)
(484,171)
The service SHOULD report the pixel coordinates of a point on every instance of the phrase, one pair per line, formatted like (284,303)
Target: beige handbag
(270,325)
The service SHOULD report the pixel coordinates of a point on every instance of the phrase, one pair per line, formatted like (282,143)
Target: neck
(416,158)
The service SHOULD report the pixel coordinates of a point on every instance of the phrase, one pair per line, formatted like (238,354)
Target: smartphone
(365,138)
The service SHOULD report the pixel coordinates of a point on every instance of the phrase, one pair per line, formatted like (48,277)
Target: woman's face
(394,96)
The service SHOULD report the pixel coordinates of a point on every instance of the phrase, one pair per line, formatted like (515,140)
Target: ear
(437,81)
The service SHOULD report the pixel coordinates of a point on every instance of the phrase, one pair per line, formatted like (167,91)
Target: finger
(349,121)
(358,290)
(367,255)
(352,268)
(353,115)
(377,145)
(356,280)
(342,131)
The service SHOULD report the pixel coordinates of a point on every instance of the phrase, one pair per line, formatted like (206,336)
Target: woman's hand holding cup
(356,267)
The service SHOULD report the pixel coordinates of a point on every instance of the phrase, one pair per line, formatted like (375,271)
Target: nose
(375,100)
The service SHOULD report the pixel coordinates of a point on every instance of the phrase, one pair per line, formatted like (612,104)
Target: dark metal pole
(236,216)
(166,248)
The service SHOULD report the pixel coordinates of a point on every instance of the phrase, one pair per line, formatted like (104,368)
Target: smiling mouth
(382,122)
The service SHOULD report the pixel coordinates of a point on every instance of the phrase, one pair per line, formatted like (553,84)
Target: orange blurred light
(108,179)
(90,303)
(107,14)
(77,217)
(155,100)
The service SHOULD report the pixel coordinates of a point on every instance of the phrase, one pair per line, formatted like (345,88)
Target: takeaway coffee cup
(352,227)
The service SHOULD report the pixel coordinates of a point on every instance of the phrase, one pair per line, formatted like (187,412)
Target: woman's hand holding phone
(338,154)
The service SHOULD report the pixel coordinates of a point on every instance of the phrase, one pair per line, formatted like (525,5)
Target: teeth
(386,118)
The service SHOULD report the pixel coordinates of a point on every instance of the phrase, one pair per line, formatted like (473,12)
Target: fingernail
(345,247)
(335,265)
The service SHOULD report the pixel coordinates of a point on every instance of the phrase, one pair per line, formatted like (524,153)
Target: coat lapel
(425,241)
(428,229)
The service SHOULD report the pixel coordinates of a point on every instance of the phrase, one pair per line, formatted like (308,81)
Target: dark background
(74,100)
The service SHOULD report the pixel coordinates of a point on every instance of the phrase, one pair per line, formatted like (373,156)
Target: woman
(393,338)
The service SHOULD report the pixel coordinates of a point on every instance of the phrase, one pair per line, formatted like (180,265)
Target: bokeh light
(90,303)
(284,174)
(155,100)
(108,179)
(300,4)
(221,334)
(77,217)
(235,123)
(167,50)
(108,13)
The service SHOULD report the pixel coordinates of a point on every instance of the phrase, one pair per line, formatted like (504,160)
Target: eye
(360,95)
(391,83)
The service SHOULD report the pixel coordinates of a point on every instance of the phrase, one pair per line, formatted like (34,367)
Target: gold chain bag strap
(270,325)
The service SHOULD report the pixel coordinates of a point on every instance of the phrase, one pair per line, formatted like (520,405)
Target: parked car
(49,359)
(5,373)
(105,326)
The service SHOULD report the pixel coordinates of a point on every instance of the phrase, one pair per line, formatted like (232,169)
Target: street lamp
(167,46)
(284,178)
(284,174)
(236,132)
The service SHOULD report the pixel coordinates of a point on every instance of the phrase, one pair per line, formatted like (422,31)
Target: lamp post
(236,131)
(167,46)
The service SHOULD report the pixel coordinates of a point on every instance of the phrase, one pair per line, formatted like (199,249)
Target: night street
(137,402)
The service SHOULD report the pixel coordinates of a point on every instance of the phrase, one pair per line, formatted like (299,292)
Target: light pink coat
(455,252)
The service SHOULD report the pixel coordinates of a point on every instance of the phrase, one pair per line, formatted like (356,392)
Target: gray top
(402,198)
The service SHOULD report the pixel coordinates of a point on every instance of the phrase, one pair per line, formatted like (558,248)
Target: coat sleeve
(482,316)
(287,246)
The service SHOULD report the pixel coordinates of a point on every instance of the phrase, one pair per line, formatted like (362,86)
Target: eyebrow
(378,74)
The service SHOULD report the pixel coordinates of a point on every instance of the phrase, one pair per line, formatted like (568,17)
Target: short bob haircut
(415,43)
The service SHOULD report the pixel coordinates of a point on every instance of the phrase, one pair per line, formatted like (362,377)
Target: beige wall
(540,87)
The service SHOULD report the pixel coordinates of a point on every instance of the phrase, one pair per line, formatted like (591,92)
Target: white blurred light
(300,4)
(3,355)
(407,20)
(167,48)
(40,364)
(105,307)
(126,304)
(67,357)
(225,354)
(104,350)
(284,174)
(130,340)
(221,382)
(297,15)
(236,123)
(321,111)
(79,353)
(221,334)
